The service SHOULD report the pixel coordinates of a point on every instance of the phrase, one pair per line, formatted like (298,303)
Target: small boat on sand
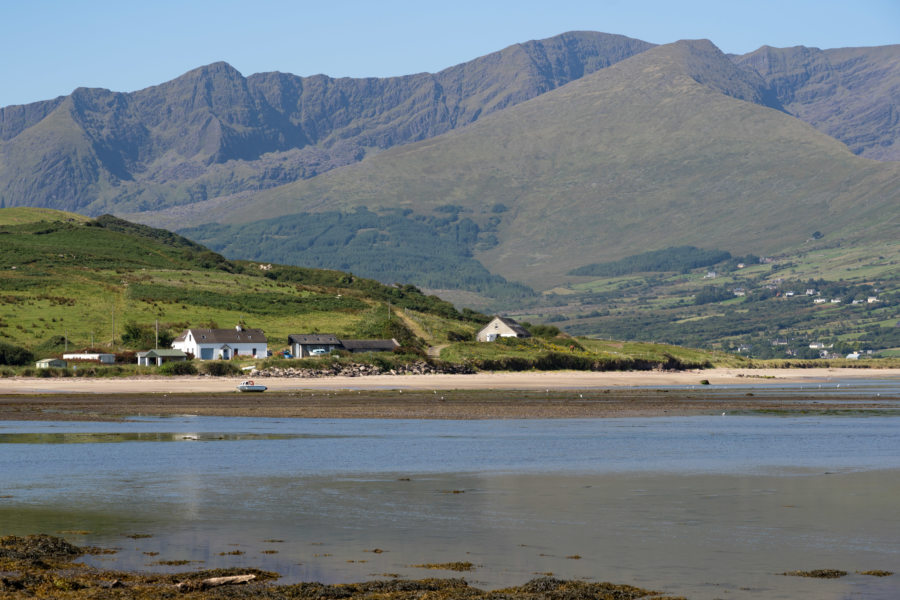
(249,386)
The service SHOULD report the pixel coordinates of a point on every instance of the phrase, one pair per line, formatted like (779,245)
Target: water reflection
(704,506)
(143,436)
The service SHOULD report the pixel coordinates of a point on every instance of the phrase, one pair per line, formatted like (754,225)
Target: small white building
(47,363)
(501,327)
(160,356)
(106,359)
(222,344)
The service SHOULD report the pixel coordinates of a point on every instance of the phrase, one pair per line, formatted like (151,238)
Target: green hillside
(69,282)
(94,281)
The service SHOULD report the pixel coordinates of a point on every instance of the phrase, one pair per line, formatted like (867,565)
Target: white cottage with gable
(222,344)
(501,327)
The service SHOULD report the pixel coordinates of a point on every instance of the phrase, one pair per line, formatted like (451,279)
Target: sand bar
(559,394)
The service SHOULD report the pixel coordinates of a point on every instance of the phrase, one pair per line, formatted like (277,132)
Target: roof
(514,325)
(369,344)
(162,353)
(225,336)
(314,338)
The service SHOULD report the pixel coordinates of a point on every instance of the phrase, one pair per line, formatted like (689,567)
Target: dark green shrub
(459,336)
(14,355)
(177,368)
(220,368)
(411,351)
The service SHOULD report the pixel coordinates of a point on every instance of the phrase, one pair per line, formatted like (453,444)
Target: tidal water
(707,507)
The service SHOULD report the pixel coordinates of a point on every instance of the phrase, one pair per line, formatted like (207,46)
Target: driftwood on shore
(203,584)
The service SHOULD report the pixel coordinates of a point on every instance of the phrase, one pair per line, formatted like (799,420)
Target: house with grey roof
(312,344)
(315,344)
(222,344)
(501,327)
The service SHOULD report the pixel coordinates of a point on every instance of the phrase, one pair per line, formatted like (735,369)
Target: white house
(224,344)
(501,327)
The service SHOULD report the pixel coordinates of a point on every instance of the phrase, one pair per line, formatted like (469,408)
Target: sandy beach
(548,380)
(559,394)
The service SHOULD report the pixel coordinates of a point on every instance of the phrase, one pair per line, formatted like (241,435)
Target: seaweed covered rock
(37,547)
(550,588)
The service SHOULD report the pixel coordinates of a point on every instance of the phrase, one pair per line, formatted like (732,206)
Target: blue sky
(50,47)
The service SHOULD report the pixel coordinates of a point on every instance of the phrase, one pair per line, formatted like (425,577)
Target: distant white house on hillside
(222,344)
(501,327)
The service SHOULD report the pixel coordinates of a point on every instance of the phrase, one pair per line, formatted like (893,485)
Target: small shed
(160,356)
(100,357)
(501,327)
(46,363)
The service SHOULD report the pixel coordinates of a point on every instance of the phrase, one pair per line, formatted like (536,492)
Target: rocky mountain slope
(213,132)
(852,94)
(673,146)
(524,164)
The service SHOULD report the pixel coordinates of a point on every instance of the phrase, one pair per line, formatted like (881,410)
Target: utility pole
(157,334)
(112,342)
(66,331)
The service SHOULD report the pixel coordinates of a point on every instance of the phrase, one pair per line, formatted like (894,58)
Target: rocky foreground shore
(42,566)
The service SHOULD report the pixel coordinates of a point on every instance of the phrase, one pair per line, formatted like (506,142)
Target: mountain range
(517,166)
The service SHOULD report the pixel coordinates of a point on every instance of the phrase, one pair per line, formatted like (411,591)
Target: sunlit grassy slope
(62,275)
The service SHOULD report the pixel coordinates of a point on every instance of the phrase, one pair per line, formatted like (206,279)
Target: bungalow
(46,363)
(159,356)
(314,344)
(104,358)
(501,327)
(224,344)
(311,344)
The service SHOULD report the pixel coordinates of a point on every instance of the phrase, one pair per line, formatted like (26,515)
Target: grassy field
(71,282)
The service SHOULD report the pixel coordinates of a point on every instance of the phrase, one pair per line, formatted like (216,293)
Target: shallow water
(702,506)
